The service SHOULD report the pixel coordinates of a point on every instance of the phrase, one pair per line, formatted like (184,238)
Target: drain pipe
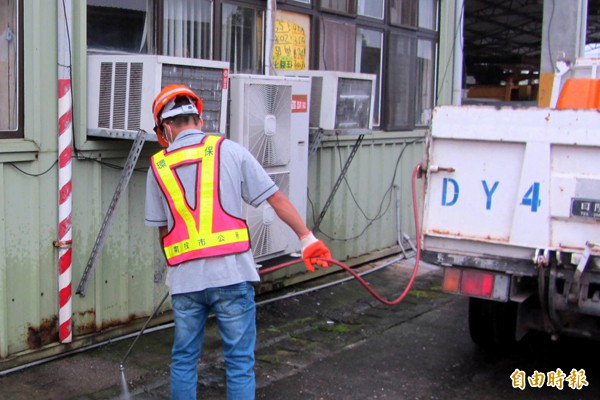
(65,154)
(459,18)
(269,36)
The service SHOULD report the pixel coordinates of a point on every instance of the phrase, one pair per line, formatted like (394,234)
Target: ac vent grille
(267,231)
(134,113)
(105,94)
(120,99)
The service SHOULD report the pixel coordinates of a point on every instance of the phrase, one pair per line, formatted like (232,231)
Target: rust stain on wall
(44,334)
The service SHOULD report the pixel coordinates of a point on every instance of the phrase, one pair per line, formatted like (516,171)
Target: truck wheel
(492,324)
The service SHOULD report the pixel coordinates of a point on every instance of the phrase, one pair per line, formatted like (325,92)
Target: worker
(194,194)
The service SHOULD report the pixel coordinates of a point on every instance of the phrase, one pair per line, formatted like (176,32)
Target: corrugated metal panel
(362,214)
(123,285)
(128,279)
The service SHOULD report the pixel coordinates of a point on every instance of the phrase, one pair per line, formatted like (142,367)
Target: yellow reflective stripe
(207,186)
(206,241)
(186,154)
(206,153)
(175,191)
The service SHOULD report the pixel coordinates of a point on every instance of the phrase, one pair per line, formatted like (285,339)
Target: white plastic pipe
(269,37)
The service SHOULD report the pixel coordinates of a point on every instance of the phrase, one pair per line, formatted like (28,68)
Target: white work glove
(312,249)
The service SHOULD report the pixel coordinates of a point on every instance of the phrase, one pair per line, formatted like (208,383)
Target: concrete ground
(295,331)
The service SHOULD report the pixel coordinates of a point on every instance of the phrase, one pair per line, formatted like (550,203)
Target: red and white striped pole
(65,153)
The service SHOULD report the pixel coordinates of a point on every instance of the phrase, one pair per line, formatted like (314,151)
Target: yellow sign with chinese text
(289,50)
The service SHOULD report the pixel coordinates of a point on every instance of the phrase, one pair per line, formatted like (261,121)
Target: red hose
(356,275)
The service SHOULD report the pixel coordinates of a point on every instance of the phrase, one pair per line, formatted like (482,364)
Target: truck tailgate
(505,182)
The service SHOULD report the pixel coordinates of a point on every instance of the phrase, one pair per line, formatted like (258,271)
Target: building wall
(128,281)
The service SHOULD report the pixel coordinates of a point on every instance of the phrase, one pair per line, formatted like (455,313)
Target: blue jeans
(235,312)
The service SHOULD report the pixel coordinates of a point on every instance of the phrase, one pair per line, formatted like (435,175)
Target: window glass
(242,39)
(119,25)
(428,14)
(371,8)
(368,60)
(9,68)
(592,37)
(399,104)
(187,28)
(424,79)
(403,12)
(337,45)
(339,6)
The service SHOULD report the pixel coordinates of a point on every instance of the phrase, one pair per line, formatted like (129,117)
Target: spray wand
(122,363)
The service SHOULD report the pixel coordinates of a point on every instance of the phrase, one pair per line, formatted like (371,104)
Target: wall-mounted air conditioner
(269,116)
(121,89)
(341,102)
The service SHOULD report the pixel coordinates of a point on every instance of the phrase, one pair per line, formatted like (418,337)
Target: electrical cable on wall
(31,174)
(380,212)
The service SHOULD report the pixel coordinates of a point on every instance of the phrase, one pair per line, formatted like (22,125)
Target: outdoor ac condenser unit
(341,102)
(269,117)
(121,89)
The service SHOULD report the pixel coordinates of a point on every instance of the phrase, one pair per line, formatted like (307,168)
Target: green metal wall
(362,216)
(128,280)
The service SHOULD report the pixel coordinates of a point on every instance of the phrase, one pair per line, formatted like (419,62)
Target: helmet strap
(168,131)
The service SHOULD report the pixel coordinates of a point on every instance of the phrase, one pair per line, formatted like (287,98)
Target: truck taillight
(452,280)
(475,283)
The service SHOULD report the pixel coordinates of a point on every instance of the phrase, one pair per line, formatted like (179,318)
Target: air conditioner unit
(341,102)
(121,89)
(269,117)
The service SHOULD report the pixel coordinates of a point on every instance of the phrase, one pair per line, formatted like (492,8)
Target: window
(592,37)
(428,14)
(336,45)
(339,6)
(119,25)
(242,39)
(424,81)
(399,104)
(131,26)
(371,8)
(403,12)
(369,60)
(187,28)
(11,115)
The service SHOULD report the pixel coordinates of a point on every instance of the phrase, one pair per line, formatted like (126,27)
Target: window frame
(401,24)
(218,16)
(352,12)
(299,3)
(18,133)
(383,10)
(377,113)
(388,124)
(435,51)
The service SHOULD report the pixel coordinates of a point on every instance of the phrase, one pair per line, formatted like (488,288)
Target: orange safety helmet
(166,95)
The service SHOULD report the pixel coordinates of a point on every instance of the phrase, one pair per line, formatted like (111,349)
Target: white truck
(512,213)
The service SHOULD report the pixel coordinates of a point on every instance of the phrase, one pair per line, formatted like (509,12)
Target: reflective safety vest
(204,230)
